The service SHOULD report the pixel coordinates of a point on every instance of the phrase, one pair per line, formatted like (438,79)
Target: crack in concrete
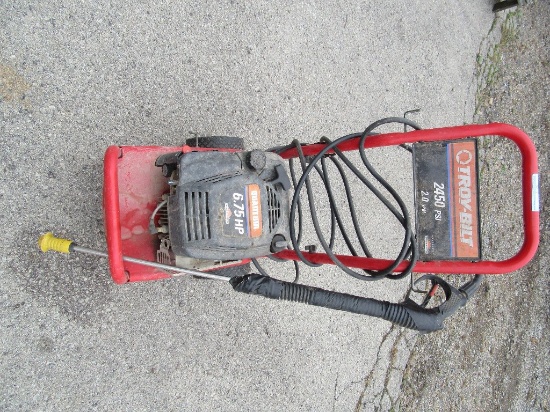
(368,379)
(380,397)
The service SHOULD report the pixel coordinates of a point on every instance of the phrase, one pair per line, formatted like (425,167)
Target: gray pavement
(75,78)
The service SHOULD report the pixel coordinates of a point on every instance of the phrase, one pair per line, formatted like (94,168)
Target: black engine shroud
(226,205)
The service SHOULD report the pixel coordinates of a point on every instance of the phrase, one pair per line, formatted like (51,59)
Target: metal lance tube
(49,242)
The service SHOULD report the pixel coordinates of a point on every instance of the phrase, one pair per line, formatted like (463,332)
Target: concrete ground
(496,354)
(76,78)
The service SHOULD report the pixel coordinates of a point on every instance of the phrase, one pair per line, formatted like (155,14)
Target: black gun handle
(407,314)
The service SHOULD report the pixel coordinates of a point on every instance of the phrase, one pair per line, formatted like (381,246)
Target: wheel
(503,5)
(216,142)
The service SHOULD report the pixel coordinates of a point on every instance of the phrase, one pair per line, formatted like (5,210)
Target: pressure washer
(210,209)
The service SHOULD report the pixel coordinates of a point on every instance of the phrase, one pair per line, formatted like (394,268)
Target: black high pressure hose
(408,249)
(408,314)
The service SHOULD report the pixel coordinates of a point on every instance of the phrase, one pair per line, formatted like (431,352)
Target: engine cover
(228,205)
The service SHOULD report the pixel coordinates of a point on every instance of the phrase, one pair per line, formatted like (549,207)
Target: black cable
(409,248)
(365,181)
(293,177)
(264,273)
(335,214)
(297,270)
(388,120)
(305,180)
(259,267)
(409,245)
(351,205)
(295,201)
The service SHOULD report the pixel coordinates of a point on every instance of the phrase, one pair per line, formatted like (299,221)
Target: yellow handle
(49,242)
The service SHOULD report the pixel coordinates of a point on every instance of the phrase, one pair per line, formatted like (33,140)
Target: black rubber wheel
(216,142)
(503,5)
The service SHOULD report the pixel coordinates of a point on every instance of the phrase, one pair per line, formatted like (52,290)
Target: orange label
(464,214)
(254,210)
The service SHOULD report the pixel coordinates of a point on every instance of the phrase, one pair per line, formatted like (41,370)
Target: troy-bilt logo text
(464,208)
(464,159)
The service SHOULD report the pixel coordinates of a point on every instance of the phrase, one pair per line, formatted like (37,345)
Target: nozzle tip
(49,242)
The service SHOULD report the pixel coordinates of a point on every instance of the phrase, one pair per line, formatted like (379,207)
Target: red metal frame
(133,186)
(131,190)
(529,193)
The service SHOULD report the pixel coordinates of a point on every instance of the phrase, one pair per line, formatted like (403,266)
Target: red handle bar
(530,193)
